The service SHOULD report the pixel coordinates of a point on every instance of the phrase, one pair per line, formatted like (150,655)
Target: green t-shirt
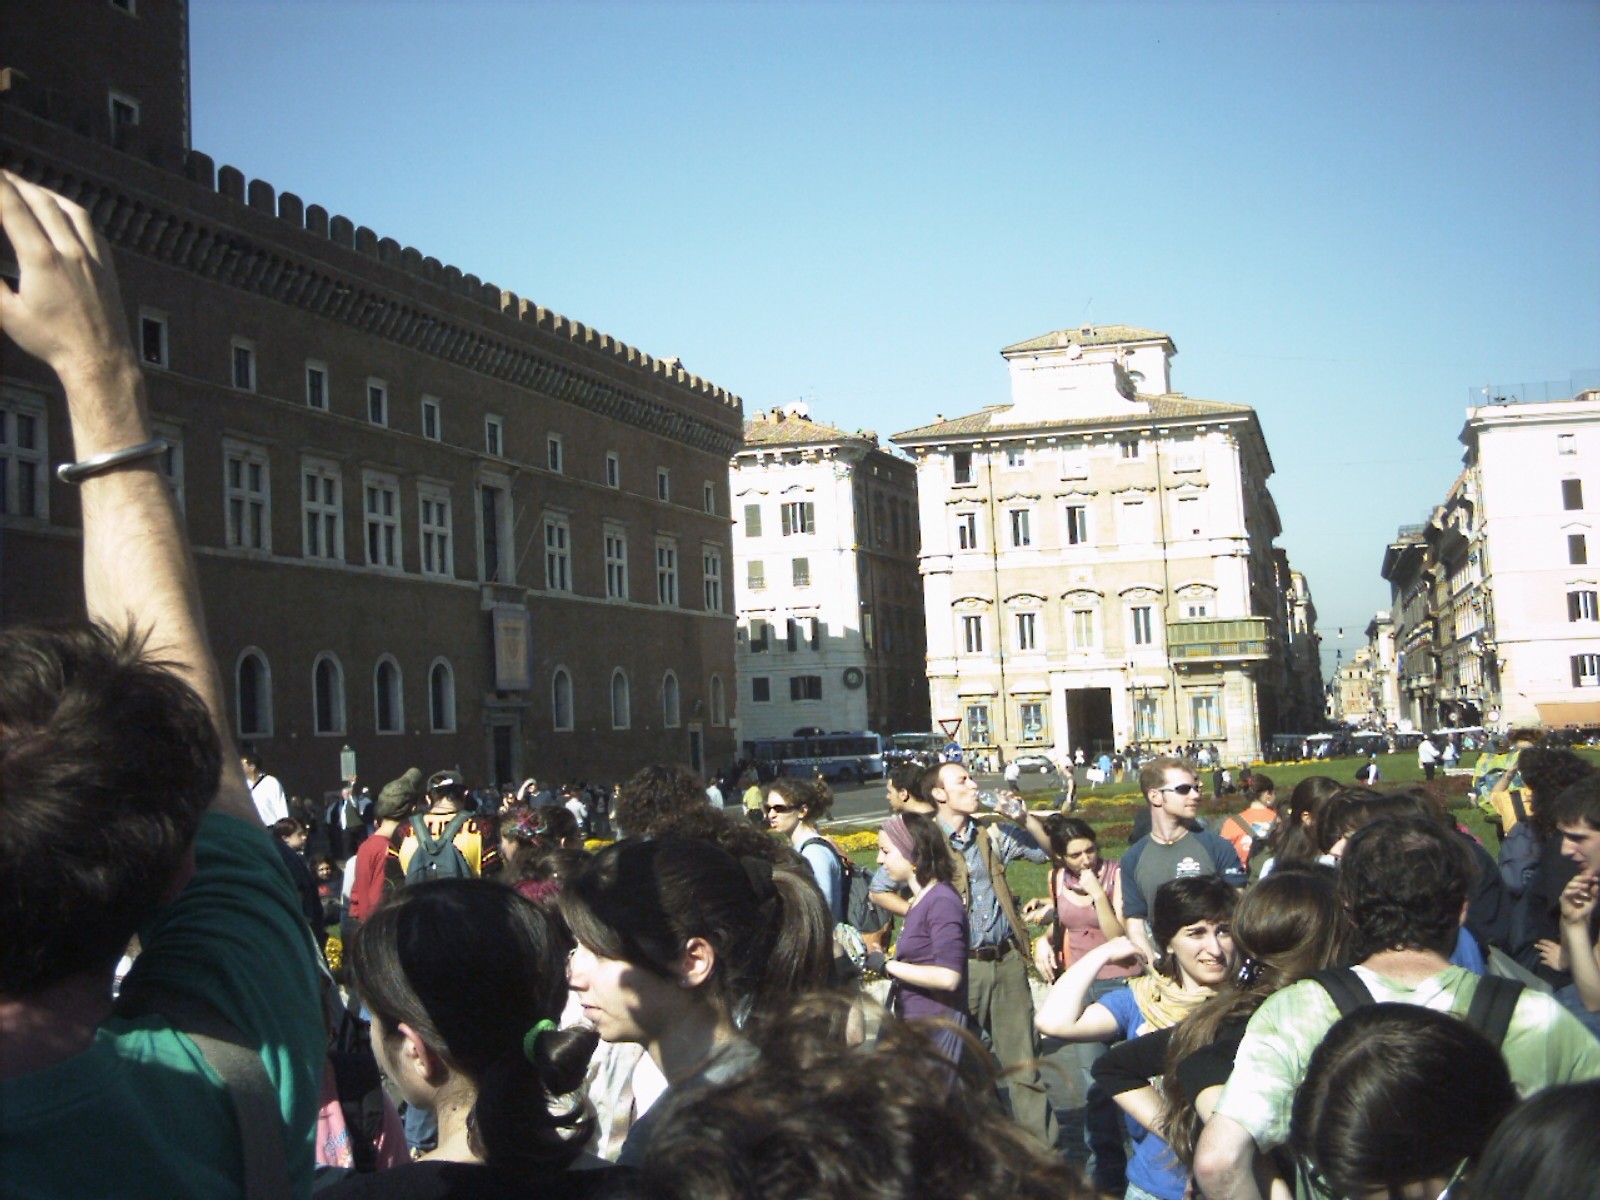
(140,1113)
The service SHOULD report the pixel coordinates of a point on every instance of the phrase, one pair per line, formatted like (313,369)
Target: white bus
(837,757)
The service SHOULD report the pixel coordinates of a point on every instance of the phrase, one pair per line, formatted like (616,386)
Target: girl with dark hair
(681,945)
(1294,837)
(793,807)
(1545,1149)
(1284,928)
(1399,1100)
(929,968)
(1191,923)
(464,982)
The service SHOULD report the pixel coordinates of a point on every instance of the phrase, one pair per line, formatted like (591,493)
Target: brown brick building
(434,522)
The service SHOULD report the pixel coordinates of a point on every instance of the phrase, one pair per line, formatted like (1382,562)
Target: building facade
(1496,593)
(1097,557)
(434,522)
(830,603)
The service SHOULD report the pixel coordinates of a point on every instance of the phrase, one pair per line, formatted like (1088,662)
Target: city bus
(915,747)
(837,757)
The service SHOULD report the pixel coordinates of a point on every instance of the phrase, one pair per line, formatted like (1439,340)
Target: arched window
(441,697)
(719,703)
(561,700)
(619,700)
(253,694)
(669,700)
(388,703)
(327,695)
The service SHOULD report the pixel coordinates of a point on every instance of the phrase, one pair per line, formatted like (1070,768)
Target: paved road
(866,802)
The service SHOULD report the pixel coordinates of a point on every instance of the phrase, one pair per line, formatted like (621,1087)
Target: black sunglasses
(779,807)
(1183,789)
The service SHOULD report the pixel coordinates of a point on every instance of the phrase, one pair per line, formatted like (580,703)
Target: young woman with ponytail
(465,981)
(681,946)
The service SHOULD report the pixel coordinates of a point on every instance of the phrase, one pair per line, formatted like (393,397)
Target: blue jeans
(422,1129)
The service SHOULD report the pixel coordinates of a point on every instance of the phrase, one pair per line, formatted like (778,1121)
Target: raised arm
(1062,1013)
(137,570)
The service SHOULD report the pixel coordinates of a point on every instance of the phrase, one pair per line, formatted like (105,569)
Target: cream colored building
(825,560)
(1097,557)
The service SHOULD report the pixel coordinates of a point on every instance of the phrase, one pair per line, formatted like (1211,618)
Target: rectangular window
(616,565)
(557,555)
(1205,716)
(760,636)
(1577,549)
(494,434)
(972,634)
(171,463)
(555,453)
(977,725)
(248,497)
(322,504)
(711,575)
(967,531)
(1581,605)
(377,402)
(492,503)
(760,689)
(868,629)
(1196,609)
(316,385)
(1188,516)
(1075,462)
(433,505)
(1586,670)
(613,470)
(799,516)
(961,467)
(667,572)
(244,364)
(1027,630)
(663,484)
(430,419)
(752,520)
(1077,525)
(805,687)
(756,575)
(801,572)
(1147,719)
(124,113)
(382,509)
(1030,716)
(708,494)
(1083,628)
(1021,527)
(1572,494)
(153,338)
(1566,443)
(1129,448)
(1136,525)
(1142,625)
(1016,456)
(22,461)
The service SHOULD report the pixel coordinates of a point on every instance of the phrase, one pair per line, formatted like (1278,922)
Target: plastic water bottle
(1007,805)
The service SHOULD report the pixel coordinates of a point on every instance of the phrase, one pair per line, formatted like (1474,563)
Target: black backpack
(859,910)
(1493,1000)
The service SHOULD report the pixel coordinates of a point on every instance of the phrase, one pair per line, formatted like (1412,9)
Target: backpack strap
(1493,1002)
(244,1078)
(1344,987)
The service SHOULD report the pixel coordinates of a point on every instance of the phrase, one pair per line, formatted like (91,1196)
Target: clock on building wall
(853,677)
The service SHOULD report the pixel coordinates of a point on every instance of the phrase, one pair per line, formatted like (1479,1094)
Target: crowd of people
(1342,995)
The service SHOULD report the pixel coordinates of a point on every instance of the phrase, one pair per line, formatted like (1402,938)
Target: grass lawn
(1110,809)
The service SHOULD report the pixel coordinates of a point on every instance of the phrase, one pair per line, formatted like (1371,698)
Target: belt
(990,953)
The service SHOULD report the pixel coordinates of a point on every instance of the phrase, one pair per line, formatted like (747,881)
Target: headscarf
(899,837)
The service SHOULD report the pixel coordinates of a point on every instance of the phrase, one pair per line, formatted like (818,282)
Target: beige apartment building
(1097,557)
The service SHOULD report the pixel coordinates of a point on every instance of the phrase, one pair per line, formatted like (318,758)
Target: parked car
(1039,763)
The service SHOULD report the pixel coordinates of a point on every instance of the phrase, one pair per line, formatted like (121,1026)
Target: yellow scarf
(1162,1002)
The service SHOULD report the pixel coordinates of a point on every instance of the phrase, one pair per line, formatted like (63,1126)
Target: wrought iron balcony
(1239,639)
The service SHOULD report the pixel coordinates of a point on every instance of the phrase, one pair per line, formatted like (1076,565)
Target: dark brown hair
(931,856)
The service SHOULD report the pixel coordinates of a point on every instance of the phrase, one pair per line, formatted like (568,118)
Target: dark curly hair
(1547,773)
(655,795)
(1403,881)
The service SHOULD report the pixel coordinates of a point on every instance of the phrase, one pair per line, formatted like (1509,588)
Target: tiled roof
(1091,335)
(797,431)
(1162,408)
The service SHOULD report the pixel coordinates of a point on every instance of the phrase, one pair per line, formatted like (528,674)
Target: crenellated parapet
(453,315)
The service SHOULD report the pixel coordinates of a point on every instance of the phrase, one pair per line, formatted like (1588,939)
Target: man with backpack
(442,842)
(1404,882)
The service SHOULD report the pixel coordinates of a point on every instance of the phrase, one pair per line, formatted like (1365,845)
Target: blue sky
(1345,215)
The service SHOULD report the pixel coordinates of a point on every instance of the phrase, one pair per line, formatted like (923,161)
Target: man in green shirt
(123,809)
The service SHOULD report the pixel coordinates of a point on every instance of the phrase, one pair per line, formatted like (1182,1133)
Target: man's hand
(1578,898)
(66,311)
(1552,954)
(1044,958)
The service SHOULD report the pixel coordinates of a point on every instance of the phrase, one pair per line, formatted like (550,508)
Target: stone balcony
(1241,639)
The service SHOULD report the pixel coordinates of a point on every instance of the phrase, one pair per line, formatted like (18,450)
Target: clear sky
(1345,215)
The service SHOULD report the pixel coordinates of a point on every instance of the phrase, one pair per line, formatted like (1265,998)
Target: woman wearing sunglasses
(793,807)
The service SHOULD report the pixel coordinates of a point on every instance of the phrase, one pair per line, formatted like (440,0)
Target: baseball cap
(446,781)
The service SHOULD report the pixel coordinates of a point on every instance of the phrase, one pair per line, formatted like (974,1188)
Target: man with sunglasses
(1174,848)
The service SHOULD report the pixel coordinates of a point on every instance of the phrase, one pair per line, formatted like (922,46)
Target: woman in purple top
(929,968)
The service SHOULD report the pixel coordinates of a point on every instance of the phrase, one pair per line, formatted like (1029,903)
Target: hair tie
(530,1040)
(759,872)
